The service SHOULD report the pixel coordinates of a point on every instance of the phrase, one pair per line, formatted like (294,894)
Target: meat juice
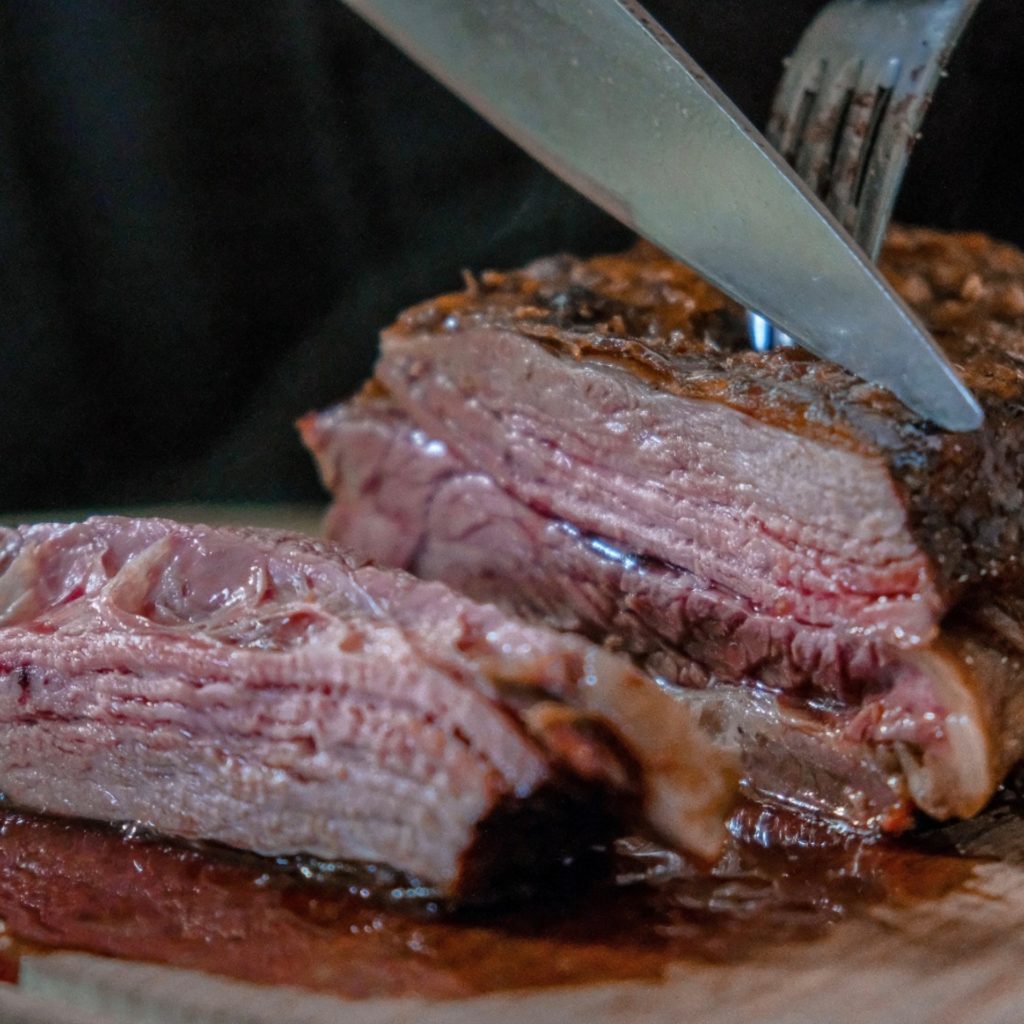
(626,914)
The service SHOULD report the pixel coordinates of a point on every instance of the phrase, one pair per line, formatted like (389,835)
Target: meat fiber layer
(404,499)
(936,726)
(264,691)
(593,443)
(612,394)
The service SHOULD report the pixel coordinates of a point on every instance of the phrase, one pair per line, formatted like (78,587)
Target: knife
(598,92)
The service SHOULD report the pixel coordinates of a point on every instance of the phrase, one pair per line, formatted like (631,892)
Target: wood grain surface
(957,957)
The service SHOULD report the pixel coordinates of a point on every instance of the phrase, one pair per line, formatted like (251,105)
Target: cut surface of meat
(590,443)
(406,501)
(266,691)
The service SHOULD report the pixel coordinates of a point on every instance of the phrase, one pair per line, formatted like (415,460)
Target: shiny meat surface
(267,692)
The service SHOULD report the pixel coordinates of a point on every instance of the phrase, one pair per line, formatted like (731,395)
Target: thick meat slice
(940,724)
(264,691)
(591,443)
(589,391)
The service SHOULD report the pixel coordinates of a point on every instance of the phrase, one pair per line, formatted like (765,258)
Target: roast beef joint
(591,563)
(829,582)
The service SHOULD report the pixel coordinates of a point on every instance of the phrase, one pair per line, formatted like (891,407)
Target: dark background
(208,208)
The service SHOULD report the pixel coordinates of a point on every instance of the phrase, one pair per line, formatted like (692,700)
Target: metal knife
(600,94)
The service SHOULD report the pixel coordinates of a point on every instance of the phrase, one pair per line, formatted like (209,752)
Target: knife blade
(598,92)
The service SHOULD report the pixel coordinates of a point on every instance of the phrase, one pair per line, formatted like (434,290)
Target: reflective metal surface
(850,105)
(599,93)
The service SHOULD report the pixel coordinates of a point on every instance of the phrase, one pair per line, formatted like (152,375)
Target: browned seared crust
(963,491)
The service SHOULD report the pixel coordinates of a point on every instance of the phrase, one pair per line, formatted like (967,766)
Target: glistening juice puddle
(635,911)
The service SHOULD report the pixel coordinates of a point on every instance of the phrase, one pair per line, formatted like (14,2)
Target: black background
(208,208)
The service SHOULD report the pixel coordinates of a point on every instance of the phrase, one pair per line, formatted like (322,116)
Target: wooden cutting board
(915,951)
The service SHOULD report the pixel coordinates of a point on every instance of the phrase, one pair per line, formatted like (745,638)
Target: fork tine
(851,101)
(794,103)
(882,177)
(817,149)
(888,158)
(856,149)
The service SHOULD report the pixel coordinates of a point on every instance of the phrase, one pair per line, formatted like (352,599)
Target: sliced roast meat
(583,389)
(936,726)
(406,500)
(265,691)
(590,443)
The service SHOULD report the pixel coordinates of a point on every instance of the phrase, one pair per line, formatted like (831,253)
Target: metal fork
(850,106)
